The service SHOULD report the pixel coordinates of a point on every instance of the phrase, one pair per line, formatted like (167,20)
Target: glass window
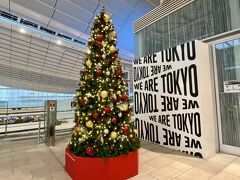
(13,97)
(197,20)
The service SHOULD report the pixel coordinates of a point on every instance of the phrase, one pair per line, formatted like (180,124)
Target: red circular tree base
(85,168)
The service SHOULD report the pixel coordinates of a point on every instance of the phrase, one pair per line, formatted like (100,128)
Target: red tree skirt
(118,168)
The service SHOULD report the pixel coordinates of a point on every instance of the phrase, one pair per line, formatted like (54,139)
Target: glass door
(227,64)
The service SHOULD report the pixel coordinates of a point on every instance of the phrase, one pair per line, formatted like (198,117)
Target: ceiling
(75,17)
(34,60)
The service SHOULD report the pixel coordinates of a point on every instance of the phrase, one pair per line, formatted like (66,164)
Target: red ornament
(81,102)
(114,120)
(115,56)
(111,148)
(107,109)
(99,43)
(125,129)
(89,150)
(118,73)
(100,37)
(104,119)
(95,115)
(106,61)
(124,97)
(98,71)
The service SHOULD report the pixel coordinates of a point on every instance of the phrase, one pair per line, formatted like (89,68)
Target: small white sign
(232,86)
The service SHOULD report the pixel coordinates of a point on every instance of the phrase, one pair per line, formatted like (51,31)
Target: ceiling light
(22,30)
(59,42)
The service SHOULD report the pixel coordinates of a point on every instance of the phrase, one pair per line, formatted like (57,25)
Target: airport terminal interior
(119,89)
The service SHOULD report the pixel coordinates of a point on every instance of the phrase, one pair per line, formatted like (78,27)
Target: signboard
(52,106)
(232,86)
(173,99)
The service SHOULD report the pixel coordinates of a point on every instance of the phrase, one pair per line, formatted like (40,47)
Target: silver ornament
(108,73)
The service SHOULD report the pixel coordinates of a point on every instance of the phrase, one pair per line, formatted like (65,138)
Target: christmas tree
(103,118)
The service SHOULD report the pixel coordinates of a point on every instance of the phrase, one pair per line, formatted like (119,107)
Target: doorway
(227,76)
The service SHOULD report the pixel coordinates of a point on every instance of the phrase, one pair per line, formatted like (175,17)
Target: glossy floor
(23,160)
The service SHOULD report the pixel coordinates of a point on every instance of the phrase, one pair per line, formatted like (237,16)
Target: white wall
(174,102)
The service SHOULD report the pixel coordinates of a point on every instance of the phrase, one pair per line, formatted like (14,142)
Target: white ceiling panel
(36,56)
(73,17)
(17,63)
(69,21)
(144,7)
(55,49)
(134,16)
(132,3)
(73,10)
(36,6)
(5,44)
(62,28)
(154,2)
(36,63)
(37,53)
(89,5)
(39,44)
(42,63)
(18,42)
(4,3)
(38,48)
(4,53)
(19,48)
(49,2)
(5,29)
(69,57)
(119,7)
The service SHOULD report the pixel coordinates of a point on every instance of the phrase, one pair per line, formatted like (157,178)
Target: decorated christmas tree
(103,117)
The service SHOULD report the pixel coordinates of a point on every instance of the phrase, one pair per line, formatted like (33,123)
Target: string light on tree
(103,126)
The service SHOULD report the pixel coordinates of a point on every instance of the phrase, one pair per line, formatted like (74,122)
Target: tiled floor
(25,160)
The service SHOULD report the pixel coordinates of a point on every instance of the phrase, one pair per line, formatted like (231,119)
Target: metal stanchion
(39,131)
(50,118)
(6,121)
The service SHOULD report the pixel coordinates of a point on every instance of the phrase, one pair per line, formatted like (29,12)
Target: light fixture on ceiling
(59,42)
(22,30)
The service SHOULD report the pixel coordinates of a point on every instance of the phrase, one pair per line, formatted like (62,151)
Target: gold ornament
(123,107)
(113,135)
(120,114)
(104,94)
(118,92)
(112,48)
(89,124)
(112,35)
(106,131)
(106,17)
(77,129)
(104,44)
(77,93)
(135,131)
(89,63)
(88,94)
(108,73)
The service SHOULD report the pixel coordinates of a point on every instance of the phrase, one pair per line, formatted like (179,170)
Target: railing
(30,123)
